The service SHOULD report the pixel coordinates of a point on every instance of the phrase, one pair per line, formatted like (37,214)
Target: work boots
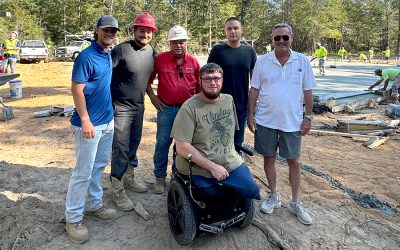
(119,197)
(159,185)
(129,181)
(77,232)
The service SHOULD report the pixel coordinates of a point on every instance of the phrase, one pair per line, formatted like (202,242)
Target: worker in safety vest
(11,49)
(321,54)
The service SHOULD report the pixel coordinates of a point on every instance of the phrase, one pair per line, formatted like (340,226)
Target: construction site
(350,173)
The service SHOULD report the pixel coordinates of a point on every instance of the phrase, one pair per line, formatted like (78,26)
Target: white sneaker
(298,209)
(273,201)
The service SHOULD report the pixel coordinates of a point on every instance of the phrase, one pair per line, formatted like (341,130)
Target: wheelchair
(189,214)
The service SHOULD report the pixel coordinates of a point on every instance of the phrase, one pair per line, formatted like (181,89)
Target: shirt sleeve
(82,69)
(116,55)
(253,58)
(184,124)
(256,78)
(212,58)
(309,81)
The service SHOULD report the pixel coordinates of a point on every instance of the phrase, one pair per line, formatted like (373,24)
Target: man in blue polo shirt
(93,129)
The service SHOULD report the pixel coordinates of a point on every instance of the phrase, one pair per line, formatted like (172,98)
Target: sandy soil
(37,156)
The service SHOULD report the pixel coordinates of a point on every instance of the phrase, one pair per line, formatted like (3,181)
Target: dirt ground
(37,157)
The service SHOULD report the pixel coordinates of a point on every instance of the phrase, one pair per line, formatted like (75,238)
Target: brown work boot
(105,213)
(119,197)
(129,181)
(159,185)
(77,232)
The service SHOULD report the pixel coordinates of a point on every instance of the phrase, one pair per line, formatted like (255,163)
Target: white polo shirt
(280,100)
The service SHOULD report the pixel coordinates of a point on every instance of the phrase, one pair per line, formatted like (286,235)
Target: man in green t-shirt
(204,127)
(390,74)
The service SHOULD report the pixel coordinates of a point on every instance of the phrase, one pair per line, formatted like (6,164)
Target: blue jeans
(128,124)
(92,156)
(12,61)
(239,180)
(239,134)
(165,120)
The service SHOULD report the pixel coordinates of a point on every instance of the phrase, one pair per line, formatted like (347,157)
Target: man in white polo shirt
(280,81)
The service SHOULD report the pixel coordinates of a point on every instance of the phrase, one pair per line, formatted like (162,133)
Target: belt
(178,105)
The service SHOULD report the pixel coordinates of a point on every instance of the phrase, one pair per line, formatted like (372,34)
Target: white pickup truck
(33,51)
(69,52)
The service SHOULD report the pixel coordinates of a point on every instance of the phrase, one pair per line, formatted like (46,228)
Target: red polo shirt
(173,89)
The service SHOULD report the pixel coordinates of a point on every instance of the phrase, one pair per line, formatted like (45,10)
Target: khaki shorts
(267,141)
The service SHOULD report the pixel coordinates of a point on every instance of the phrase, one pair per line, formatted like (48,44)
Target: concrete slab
(347,79)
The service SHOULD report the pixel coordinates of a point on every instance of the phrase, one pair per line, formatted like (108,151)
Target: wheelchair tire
(250,210)
(181,215)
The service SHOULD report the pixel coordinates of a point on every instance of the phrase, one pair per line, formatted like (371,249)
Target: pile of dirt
(37,156)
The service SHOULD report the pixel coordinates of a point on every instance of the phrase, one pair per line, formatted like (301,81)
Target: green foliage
(355,24)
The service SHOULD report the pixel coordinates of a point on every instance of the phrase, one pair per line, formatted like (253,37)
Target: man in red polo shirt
(178,80)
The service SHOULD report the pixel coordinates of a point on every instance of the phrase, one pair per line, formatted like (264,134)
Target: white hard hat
(15,32)
(318,44)
(177,33)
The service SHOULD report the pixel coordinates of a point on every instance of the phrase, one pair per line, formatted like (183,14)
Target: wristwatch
(309,117)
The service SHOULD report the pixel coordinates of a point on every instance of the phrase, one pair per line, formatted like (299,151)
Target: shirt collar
(293,56)
(98,48)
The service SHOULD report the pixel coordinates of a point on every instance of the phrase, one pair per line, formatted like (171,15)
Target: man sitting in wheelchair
(204,127)
(203,131)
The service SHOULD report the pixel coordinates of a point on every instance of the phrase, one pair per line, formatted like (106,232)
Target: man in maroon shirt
(178,79)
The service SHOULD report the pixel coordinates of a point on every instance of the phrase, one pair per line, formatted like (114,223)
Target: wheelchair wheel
(181,216)
(250,210)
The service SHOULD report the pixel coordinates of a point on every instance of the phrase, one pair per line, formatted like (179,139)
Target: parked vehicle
(33,51)
(69,52)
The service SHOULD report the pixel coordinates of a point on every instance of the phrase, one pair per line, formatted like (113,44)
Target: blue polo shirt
(93,67)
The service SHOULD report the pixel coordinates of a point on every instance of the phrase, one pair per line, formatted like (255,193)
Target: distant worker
(386,53)
(342,53)
(371,54)
(93,129)
(237,60)
(321,54)
(178,79)
(268,48)
(85,44)
(133,63)
(390,74)
(363,57)
(11,49)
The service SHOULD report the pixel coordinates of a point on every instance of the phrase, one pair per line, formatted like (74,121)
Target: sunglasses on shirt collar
(179,68)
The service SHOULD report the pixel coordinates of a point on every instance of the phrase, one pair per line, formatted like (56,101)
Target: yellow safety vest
(11,43)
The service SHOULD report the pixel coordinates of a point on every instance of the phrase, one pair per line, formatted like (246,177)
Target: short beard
(212,95)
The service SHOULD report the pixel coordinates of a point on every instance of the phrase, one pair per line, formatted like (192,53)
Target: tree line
(358,25)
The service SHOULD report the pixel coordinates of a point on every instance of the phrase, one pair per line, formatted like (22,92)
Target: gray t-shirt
(210,129)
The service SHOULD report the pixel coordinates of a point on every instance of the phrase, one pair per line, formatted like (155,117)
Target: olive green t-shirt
(210,128)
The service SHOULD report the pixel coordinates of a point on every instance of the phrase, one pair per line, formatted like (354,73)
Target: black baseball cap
(107,21)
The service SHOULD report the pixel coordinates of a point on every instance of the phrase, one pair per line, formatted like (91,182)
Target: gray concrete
(347,79)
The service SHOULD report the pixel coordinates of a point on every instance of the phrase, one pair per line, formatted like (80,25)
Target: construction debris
(55,111)
(393,110)
(6,112)
(354,125)
(375,142)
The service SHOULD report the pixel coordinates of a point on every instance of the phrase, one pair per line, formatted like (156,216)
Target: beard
(210,94)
